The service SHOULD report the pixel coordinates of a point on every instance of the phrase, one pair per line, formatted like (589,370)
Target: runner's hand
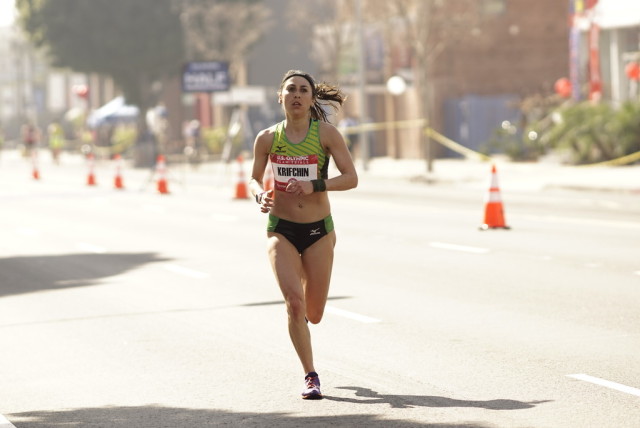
(266,201)
(300,188)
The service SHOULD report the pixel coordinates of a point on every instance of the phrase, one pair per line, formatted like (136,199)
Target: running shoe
(311,389)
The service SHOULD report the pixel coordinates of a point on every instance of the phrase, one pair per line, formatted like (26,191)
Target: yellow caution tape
(456,147)
(624,160)
(415,123)
(379,126)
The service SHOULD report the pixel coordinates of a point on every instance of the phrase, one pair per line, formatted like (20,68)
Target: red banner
(595,78)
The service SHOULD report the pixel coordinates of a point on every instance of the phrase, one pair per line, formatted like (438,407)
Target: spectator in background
(30,138)
(193,147)
(348,128)
(1,138)
(56,141)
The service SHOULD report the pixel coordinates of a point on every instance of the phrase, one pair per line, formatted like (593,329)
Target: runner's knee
(295,308)
(314,315)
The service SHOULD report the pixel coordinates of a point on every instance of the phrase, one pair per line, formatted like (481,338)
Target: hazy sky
(6,12)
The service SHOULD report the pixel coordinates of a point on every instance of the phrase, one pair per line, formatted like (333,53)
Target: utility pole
(362,95)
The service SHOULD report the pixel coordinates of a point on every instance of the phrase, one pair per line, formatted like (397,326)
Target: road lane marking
(181,270)
(27,231)
(351,315)
(583,221)
(593,265)
(225,218)
(90,248)
(607,383)
(4,423)
(455,247)
(154,208)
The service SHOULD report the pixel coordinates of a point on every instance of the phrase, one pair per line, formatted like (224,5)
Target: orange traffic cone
(91,178)
(241,185)
(161,169)
(118,183)
(267,180)
(493,211)
(35,173)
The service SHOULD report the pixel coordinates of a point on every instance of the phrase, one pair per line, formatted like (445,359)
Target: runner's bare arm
(261,148)
(334,143)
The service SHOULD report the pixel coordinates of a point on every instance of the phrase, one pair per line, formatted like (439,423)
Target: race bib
(293,168)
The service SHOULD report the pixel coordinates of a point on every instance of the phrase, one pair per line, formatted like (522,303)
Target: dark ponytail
(321,92)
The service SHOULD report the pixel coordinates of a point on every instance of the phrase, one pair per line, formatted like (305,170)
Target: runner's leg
(317,261)
(287,267)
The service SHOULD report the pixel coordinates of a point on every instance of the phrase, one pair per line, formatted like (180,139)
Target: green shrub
(626,126)
(123,138)
(506,139)
(585,132)
(213,138)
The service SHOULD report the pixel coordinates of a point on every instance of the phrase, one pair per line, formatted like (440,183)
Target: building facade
(485,57)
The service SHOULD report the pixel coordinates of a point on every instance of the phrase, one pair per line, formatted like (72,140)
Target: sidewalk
(532,176)
(520,176)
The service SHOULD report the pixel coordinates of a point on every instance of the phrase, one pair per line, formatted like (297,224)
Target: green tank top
(303,161)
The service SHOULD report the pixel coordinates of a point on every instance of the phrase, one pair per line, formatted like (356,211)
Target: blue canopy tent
(114,111)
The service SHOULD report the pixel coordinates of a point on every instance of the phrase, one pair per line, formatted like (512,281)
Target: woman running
(300,229)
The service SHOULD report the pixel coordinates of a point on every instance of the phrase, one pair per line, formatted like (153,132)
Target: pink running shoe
(311,389)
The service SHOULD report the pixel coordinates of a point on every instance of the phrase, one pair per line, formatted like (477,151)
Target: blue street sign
(210,76)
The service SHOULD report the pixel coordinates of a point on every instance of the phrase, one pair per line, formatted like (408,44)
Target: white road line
(180,270)
(583,221)
(593,265)
(350,315)
(224,218)
(463,248)
(607,383)
(4,423)
(27,231)
(90,248)
(154,208)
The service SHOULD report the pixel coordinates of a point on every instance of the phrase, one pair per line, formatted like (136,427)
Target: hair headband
(308,78)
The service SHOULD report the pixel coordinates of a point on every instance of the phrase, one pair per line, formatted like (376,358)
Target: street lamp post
(396,86)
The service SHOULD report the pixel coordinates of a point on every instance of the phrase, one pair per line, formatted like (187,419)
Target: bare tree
(328,25)
(223,30)
(426,28)
(419,29)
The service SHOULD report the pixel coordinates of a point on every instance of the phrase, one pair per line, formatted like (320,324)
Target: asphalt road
(134,309)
